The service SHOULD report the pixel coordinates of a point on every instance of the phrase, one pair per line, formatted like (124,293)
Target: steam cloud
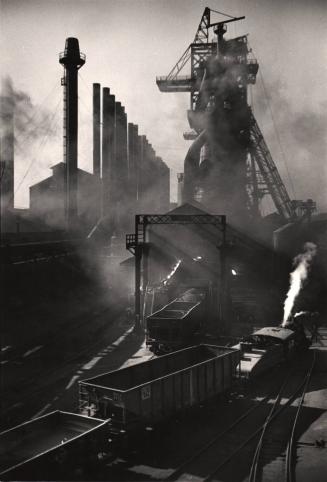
(37,133)
(302,135)
(30,121)
(302,264)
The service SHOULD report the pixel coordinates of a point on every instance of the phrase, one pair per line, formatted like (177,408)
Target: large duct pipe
(191,167)
(7,153)
(96,129)
(72,60)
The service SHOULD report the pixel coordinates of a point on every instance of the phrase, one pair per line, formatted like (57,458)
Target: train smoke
(302,264)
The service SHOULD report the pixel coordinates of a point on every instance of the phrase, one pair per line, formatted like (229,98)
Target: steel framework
(263,177)
(272,182)
(137,245)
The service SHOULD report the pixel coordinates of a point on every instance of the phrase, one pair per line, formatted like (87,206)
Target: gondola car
(142,395)
(55,446)
(174,326)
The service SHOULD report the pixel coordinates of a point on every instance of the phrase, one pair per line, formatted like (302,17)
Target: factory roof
(189,208)
(275,332)
(58,169)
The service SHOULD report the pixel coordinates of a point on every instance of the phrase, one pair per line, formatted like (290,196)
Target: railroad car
(268,347)
(53,447)
(141,395)
(174,326)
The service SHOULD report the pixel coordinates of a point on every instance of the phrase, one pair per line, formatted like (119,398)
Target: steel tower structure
(229,164)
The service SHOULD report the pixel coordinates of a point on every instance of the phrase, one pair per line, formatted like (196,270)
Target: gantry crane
(262,176)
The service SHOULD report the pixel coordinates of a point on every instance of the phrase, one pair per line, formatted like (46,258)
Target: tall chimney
(72,60)
(105,148)
(141,172)
(7,150)
(96,129)
(131,154)
(108,151)
(121,135)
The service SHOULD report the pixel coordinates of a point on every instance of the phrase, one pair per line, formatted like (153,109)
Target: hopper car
(175,325)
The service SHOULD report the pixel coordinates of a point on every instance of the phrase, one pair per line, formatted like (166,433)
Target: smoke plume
(37,136)
(302,264)
(295,132)
(31,121)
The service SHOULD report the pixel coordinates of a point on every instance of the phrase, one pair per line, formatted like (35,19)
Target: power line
(222,13)
(85,106)
(30,120)
(49,116)
(84,82)
(42,145)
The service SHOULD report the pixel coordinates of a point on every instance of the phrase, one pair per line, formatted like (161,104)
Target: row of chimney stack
(134,178)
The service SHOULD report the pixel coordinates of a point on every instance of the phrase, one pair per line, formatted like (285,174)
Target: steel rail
(173,476)
(255,462)
(177,472)
(271,416)
(290,475)
(65,369)
(253,435)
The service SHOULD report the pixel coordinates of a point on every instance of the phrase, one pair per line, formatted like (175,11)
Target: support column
(224,295)
(138,267)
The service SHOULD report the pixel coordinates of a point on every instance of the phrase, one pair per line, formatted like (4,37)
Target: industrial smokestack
(120,171)
(7,151)
(105,150)
(121,139)
(72,60)
(96,129)
(180,187)
(141,167)
(108,150)
(132,161)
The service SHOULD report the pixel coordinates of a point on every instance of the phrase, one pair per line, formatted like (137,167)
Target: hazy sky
(128,42)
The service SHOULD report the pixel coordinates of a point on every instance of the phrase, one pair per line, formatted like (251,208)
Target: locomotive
(270,346)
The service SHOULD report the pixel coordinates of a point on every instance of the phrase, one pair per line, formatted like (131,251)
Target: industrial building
(47,198)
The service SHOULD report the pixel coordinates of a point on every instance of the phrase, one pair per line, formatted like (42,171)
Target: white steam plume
(297,277)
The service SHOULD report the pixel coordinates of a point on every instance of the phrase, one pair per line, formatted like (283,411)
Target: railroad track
(50,375)
(271,461)
(243,435)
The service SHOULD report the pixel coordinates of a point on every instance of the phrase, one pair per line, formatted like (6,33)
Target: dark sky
(129,42)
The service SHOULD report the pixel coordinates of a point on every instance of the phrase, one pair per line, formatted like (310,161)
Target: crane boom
(201,36)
